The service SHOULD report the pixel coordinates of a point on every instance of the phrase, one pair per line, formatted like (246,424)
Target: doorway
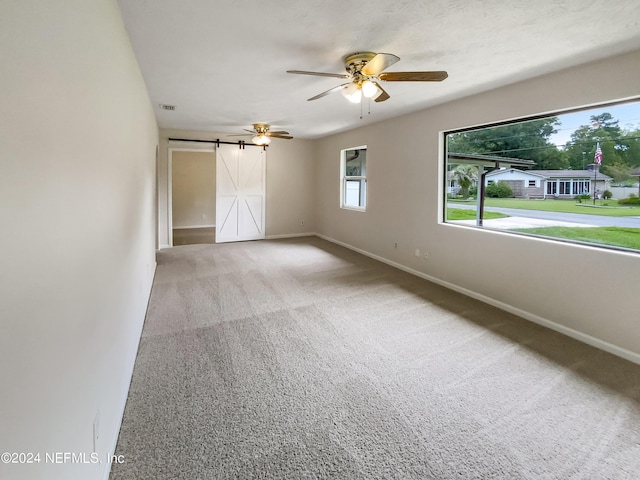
(192,212)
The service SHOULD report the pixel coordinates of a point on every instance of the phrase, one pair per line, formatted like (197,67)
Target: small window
(353,178)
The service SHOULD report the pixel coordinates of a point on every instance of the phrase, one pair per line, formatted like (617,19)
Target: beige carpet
(299,359)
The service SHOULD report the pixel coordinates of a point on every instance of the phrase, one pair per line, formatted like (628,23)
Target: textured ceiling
(223,63)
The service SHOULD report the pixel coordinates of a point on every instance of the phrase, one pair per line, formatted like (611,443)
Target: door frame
(211,149)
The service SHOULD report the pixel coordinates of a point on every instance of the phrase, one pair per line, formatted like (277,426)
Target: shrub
(607,194)
(630,200)
(584,196)
(499,190)
(473,191)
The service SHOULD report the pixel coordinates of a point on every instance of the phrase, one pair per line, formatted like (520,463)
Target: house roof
(488,160)
(533,173)
(572,174)
(556,174)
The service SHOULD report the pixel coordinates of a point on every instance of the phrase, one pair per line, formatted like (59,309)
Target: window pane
(550,169)
(353,174)
(352,193)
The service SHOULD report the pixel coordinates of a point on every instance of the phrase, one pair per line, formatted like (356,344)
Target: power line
(554,146)
(469,134)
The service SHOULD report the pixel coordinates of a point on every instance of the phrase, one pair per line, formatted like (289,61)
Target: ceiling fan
(261,134)
(365,71)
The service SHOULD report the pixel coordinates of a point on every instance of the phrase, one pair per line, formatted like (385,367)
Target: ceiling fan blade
(319,74)
(383,94)
(286,137)
(280,132)
(250,131)
(331,90)
(379,63)
(413,76)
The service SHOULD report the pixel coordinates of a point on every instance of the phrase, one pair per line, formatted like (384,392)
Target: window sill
(355,209)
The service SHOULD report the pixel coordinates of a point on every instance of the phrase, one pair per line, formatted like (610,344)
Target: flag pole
(597,160)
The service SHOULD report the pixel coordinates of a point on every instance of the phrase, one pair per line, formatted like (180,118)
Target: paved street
(519,218)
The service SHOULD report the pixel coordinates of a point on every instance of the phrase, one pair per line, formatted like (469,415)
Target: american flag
(597,159)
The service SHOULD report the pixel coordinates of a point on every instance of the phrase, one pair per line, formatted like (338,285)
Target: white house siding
(519,180)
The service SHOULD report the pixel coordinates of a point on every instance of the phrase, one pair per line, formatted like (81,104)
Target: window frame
(345,179)
(551,184)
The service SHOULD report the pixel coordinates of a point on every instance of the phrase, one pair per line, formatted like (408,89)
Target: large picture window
(353,178)
(571,177)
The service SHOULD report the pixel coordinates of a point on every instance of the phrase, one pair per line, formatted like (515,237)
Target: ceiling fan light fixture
(365,70)
(369,89)
(352,93)
(261,139)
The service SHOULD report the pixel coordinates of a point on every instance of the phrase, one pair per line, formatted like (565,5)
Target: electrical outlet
(425,255)
(395,246)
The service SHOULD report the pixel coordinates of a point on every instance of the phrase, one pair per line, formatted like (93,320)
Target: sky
(628,115)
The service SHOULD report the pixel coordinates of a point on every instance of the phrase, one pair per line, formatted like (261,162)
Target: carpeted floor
(299,359)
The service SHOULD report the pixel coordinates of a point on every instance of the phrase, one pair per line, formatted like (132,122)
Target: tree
(603,128)
(465,176)
(631,147)
(619,173)
(528,140)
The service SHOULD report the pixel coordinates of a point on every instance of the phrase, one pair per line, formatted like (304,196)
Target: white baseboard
(131,360)
(164,245)
(193,226)
(570,332)
(290,235)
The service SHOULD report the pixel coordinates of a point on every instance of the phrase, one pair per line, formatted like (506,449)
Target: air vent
(167,107)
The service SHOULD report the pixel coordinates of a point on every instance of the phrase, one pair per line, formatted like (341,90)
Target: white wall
(193,189)
(624,192)
(290,182)
(77,150)
(588,292)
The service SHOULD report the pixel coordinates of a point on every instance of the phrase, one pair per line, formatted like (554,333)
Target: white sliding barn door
(240,193)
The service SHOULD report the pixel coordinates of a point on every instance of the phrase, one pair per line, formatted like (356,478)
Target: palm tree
(465,176)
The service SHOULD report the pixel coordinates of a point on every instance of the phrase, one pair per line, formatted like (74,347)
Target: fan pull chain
(360,110)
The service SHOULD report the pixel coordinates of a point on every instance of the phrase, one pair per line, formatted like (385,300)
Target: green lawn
(614,236)
(460,214)
(608,207)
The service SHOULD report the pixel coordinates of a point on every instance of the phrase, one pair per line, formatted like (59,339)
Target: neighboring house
(550,183)
(479,160)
